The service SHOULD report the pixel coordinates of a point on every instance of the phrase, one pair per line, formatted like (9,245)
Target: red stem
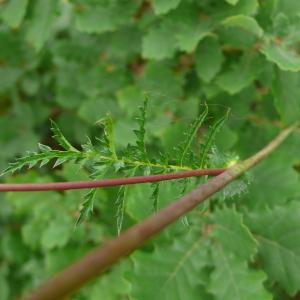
(26,187)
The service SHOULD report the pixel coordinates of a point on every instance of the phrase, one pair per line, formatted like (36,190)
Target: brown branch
(97,261)
(73,185)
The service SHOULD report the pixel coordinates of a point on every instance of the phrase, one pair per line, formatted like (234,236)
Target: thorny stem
(72,185)
(98,260)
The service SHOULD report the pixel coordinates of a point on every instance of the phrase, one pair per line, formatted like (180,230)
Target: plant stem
(98,260)
(73,185)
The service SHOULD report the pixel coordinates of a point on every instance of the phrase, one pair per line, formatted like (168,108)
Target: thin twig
(98,260)
(73,185)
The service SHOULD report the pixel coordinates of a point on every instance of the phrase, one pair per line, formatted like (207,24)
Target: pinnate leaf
(233,234)
(171,271)
(277,231)
(209,139)
(190,135)
(232,279)
(113,285)
(122,202)
(60,138)
(107,141)
(141,132)
(87,206)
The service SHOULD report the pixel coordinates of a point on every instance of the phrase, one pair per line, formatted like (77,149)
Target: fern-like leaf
(46,155)
(140,133)
(191,133)
(185,182)
(121,207)
(155,195)
(107,142)
(87,206)
(210,139)
(121,202)
(60,138)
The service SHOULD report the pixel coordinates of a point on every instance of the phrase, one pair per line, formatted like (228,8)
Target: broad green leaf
(159,43)
(286,59)
(57,259)
(129,98)
(32,232)
(286,95)
(94,109)
(241,74)
(226,138)
(171,271)
(14,12)
(236,7)
(188,28)
(136,208)
(123,133)
(11,50)
(9,77)
(101,16)
(232,279)
(113,42)
(4,287)
(102,80)
(232,2)
(161,85)
(209,58)
(277,232)
(12,248)
(163,6)
(232,233)
(245,22)
(58,233)
(40,25)
(290,8)
(113,285)
(281,25)
(276,172)
(26,203)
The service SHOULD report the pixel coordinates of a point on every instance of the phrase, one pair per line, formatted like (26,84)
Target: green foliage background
(74,61)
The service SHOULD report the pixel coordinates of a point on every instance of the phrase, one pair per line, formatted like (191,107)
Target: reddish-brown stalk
(26,187)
